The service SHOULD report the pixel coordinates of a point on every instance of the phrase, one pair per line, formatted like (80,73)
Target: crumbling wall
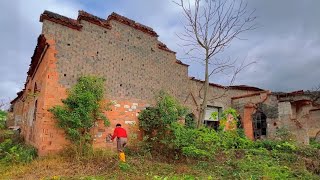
(263,102)
(218,96)
(313,123)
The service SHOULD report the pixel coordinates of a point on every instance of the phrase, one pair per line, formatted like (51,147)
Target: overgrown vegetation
(3,118)
(171,150)
(82,108)
(229,151)
(156,122)
(13,150)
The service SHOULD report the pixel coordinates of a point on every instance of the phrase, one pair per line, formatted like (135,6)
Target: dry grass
(104,165)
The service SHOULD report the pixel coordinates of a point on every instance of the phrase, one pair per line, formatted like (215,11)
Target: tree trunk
(205,92)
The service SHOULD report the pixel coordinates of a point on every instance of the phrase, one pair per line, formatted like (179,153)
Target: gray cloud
(286,45)
(19,29)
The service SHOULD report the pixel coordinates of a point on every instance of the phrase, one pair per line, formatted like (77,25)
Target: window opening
(259,124)
(208,121)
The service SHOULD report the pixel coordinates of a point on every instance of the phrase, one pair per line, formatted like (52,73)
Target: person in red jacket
(121,135)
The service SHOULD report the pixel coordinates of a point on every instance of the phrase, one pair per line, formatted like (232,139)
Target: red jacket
(119,132)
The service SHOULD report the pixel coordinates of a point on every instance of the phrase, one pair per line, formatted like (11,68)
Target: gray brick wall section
(129,60)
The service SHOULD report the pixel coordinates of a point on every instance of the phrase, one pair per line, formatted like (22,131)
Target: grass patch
(246,164)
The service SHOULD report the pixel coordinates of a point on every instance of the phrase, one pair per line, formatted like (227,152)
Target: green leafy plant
(124,166)
(314,143)
(283,134)
(190,121)
(155,121)
(81,109)
(3,118)
(16,153)
(224,117)
(205,142)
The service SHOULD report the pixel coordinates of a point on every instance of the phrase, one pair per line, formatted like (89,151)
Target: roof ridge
(60,19)
(132,23)
(83,15)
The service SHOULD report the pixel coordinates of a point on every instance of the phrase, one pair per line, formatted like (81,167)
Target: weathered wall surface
(298,117)
(264,102)
(313,123)
(129,60)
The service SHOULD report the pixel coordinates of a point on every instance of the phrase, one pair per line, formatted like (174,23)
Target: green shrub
(3,118)
(190,121)
(82,108)
(205,142)
(155,122)
(283,146)
(124,166)
(314,143)
(165,134)
(223,118)
(16,153)
(5,134)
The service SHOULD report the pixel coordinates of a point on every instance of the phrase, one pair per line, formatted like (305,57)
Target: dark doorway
(259,124)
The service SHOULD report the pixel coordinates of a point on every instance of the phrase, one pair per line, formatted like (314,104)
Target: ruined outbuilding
(136,65)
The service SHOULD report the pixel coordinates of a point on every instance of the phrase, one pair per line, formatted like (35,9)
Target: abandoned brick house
(136,65)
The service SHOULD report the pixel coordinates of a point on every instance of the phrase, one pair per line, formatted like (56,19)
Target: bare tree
(211,27)
(4,104)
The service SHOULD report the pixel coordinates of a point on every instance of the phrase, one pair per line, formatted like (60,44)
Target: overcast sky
(286,46)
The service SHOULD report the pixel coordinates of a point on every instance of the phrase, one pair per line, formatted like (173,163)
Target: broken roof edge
(131,23)
(41,43)
(180,62)
(164,47)
(83,15)
(105,23)
(19,94)
(62,20)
